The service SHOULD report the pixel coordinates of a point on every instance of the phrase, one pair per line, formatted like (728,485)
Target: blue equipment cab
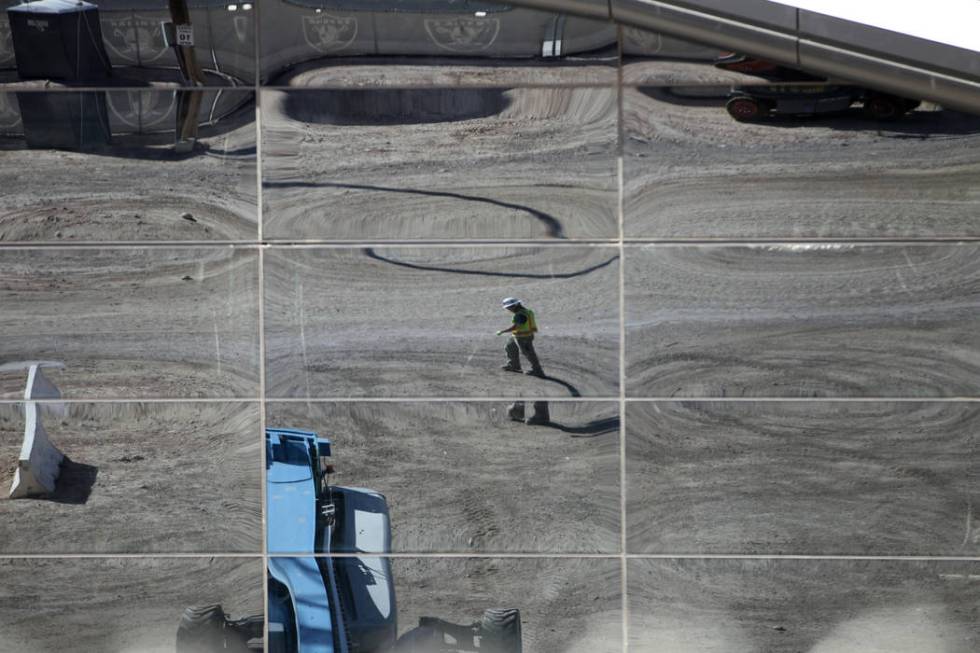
(319,604)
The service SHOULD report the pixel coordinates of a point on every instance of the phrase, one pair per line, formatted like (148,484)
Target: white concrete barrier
(39,387)
(39,462)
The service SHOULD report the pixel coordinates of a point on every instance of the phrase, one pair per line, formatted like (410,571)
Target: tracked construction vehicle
(342,604)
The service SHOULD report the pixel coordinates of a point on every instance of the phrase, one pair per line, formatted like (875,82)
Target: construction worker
(522,330)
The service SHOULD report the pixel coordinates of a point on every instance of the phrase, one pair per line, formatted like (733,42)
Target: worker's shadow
(572,390)
(593,429)
(75,482)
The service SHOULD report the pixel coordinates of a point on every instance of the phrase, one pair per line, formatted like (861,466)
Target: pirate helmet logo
(463,35)
(642,41)
(9,112)
(135,39)
(326,33)
(144,111)
(6,43)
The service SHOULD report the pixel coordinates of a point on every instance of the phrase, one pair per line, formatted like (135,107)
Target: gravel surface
(692,172)
(436,164)
(132,323)
(140,478)
(465,478)
(817,606)
(409,322)
(116,605)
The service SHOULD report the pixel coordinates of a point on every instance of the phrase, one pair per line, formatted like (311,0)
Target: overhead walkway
(925,51)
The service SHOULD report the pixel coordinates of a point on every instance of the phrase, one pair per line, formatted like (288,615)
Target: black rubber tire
(201,630)
(884,107)
(500,631)
(744,108)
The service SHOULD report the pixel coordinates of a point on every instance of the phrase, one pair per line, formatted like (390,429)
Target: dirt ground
(691,171)
(116,605)
(812,606)
(140,478)
(128,323)
(435,164)
(809,320)
(815,478)
(464,478)
(136,189)
(400,72)
(403,322)
(567,605)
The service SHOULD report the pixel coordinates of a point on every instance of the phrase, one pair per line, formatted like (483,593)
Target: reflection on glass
(81,605)
(128,42)
(462,449)
(299,36)
(130,477)
(439,163)
(125,170)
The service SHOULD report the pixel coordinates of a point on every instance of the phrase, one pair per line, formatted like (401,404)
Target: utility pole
(180,35)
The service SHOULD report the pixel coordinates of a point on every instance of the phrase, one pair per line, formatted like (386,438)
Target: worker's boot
(537,371)
(510,368)
(541,416)
(516,411)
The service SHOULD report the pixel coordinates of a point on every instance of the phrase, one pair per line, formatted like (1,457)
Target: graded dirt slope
(807,320)
(691,171)
(818,478)
(116,605)
(140,478)
(440,163)
(136,189)
(567,605)
(808,606)
(421,322)
(129,323)
(465,478)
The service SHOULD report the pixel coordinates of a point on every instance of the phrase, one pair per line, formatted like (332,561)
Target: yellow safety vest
(530,326)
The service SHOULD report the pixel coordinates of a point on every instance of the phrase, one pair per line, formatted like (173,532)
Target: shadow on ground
(552,225)
(75,482)
(370,253)
(592,429)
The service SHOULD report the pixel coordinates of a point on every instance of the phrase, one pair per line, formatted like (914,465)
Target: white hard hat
(510,301)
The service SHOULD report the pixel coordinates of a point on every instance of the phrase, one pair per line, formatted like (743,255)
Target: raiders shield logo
(143,111)
(9,112)
(6,44)
(326,33)
(463,35)
(641,41)
(134,39)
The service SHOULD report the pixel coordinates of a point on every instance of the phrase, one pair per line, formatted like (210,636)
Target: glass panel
(138,478)
(490,472)
(834,320)
(814,478)
(421,322)
(132,323)
(441,164)
(342,43)
(821,606)
(108,166)
(80,605)
(796,161)
(122,43)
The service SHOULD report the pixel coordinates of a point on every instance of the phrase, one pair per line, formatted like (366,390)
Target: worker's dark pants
(542,414)
(524,346)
